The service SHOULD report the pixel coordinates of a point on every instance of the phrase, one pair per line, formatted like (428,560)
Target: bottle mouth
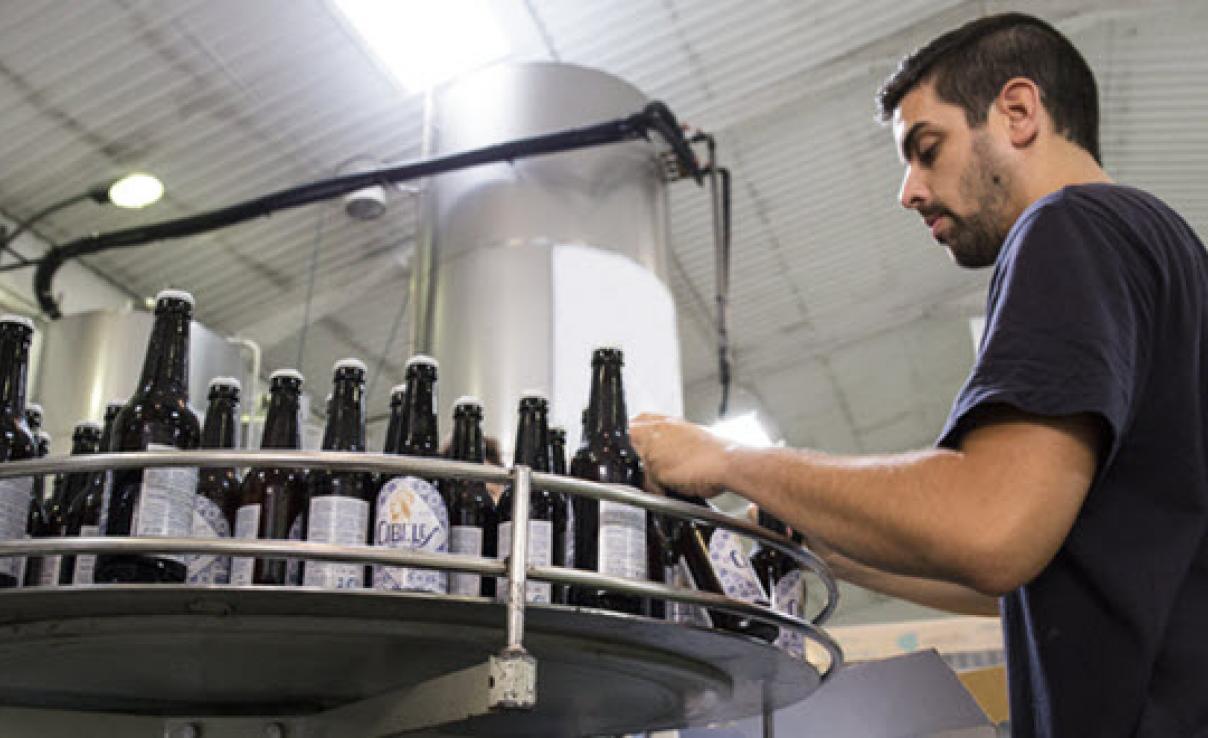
(421,360)
(19,323)
(467,402)
(290,374)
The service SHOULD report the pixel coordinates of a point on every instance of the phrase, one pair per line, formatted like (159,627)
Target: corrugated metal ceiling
(849,326)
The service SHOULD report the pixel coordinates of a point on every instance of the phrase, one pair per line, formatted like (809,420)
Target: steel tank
(528,259)
(90,359)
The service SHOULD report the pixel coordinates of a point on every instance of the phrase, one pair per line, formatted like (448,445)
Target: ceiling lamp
(137,190)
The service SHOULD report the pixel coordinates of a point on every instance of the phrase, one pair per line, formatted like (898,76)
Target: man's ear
(1018,104)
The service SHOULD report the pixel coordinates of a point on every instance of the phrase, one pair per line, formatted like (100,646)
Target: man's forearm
(946,596)
(889,512)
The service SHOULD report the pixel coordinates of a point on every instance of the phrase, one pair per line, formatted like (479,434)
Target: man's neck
(1065,165)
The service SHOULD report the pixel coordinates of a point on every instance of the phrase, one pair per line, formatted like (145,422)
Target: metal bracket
(513,682)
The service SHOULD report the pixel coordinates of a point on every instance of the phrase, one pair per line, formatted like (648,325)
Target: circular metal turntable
(189,651)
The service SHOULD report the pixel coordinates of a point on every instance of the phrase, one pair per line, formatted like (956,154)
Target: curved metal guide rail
(512,674)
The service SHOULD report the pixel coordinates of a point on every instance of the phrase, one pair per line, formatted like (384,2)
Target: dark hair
(970,65)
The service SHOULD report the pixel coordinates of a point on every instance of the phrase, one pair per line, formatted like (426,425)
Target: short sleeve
(1061,333)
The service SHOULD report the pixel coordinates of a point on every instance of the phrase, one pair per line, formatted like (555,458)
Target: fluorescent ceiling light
(426,42)
(743,429)
(136,190)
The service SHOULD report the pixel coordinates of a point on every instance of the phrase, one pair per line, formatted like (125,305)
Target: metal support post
(514,671)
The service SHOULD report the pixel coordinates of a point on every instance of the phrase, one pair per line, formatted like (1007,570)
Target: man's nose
(913,193)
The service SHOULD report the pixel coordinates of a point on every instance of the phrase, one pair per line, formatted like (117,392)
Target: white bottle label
(48,574)
(247,527)
(622,540)
(293,567)
(465,539)
(342,521)
(165,502)
(738,578)
(85,564)
(540,553)
(103,517)
(411,514)
(569,535)
(15,495)
(682,612)
(788,597)
(208,522)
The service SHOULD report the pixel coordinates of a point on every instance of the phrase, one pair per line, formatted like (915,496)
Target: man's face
(955,178)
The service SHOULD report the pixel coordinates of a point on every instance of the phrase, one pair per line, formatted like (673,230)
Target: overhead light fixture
(137,190)
(743,429)
(424,43)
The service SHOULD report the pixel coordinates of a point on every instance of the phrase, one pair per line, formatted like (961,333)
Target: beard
(974,240)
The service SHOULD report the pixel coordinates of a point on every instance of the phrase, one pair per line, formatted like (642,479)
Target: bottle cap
(286,374)
(467,401)
(43,436)
(228,382)
(533,394)
(33,407)
(17,320)
(88,425)
(422,359)
(398,389)
(116,402)
(350,363)
(175,295)
(607,353)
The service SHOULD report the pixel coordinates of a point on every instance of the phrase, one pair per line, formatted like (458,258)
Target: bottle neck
(606,416)
(532,439)
(14,364)
(167,364)
(345,429)
(419,435)
(394,429)
(558,457)
(468,444)
(81,446)
(772,523)
(106,435)
(221,423)
(281,426)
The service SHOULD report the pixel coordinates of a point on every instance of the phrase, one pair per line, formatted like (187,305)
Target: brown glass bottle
(47,571)
(217,496)
(38,523)
(564,514)
(84,510)
(33,418)
(155,502)
(690,544)
(338,502)
(612,538)
(413,512)
(472,521)
(783,581)
(16,442)
(533,451)
(396,426)
(271,498)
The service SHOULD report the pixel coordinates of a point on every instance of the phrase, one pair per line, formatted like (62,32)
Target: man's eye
(927,156)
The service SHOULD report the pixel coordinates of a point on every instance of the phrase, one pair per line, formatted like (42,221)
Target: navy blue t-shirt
(1098,305)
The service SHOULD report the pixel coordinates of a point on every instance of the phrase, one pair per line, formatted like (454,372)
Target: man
(1069,488)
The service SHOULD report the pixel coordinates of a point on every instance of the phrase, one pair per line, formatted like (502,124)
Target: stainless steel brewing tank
(89,359)
(501,232)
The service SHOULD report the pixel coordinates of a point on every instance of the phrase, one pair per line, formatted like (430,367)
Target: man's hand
(679,455)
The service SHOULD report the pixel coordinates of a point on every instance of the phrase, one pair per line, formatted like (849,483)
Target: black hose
(655,116)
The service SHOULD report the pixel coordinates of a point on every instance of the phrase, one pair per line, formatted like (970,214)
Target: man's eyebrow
(911,136)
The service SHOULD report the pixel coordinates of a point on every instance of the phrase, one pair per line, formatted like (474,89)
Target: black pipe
(656,116)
